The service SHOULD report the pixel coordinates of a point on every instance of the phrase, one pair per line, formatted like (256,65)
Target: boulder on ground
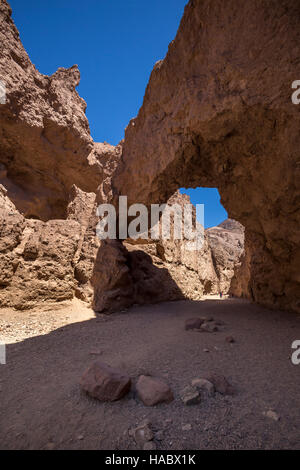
(104,382)
(220,383)
(152,391)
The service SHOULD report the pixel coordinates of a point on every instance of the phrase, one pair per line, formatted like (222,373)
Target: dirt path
(41,406)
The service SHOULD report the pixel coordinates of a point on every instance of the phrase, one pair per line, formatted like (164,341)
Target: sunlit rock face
(226,242)
(45,142)
(217,112)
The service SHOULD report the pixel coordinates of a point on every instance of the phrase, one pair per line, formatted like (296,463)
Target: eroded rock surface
(217,112)
(38,259)
(45,142)
(227,246)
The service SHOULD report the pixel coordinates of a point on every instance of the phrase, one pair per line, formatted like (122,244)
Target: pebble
(187,427)
(143,433)
(272,415)
(190,396)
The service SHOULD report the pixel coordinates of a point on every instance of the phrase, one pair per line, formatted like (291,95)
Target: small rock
(105,383)
(272,415)
(230,339)
(206,350)
(96,352)
(152,391)
(220,383)
(194,323)
(80,438)
(209,327)
(149,446)
(187,427)
(142,433)
(190,396)
(205,387)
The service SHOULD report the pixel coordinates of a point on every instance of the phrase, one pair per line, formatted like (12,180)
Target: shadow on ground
(42,406)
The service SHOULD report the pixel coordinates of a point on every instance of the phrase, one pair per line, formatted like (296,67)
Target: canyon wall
(45,142)
(56,260)
(217,112)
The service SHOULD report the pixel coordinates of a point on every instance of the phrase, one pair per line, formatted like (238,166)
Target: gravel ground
(42,407)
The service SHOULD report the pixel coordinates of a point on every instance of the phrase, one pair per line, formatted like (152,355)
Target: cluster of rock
(105,383)
(108,384)
(53,175)
(202,324)
(205,387)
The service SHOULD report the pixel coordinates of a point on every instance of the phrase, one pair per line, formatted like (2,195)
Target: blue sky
(214,212)
(115,44)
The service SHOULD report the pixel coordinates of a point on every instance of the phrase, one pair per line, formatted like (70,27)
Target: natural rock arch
(218,112)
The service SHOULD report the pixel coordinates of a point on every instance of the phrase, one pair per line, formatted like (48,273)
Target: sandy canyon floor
(42,407)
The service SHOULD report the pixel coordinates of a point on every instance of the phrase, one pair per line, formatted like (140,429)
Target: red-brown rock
(104,382)
(152,391)
(217,112)
(220,383)
(194,323)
